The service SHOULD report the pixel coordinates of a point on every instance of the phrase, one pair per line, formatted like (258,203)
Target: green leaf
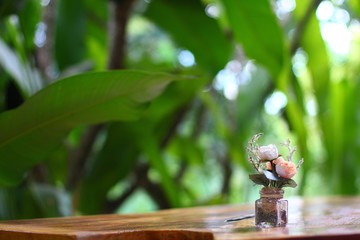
(71,21)
(29,17)
(8,7)
(35,129)
(190,27)
(156,160)
(354,6)
(318,65)
(125,141)
(187,149)
(116,160)
(350,151)
(26,78)
(264,179)
(284,182)
(318,60)
(18,202)
(12,65)
(96,33)
(259,179)
(255,26)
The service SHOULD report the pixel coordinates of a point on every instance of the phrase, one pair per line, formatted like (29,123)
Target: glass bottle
(271,210)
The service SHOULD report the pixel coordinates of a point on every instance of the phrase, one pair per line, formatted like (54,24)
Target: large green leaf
(96,33)
(29,17)
(319,68)
(125,140)
(349,160)
(190,27)
(255,26)
(318,59)
(71,21)
(32,131)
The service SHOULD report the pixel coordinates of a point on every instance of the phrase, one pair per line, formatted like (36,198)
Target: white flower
(268,152)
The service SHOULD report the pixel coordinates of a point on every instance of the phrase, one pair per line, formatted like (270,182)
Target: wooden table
(320,218)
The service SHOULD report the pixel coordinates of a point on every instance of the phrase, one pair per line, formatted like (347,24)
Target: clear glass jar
(271,210)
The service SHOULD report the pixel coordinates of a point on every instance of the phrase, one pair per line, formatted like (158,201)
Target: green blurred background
(286,68)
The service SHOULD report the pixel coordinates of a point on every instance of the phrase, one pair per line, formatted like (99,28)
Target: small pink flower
(279,160)
(284,168)
(268,152)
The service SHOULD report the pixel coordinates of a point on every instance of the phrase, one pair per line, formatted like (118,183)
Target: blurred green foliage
(170,131)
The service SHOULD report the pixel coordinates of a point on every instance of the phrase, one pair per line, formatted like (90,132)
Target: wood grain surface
(321,218)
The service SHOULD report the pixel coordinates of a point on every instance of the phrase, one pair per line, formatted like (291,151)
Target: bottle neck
(270,192)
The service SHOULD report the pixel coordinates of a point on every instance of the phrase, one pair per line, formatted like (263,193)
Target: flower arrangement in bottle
(274,173)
